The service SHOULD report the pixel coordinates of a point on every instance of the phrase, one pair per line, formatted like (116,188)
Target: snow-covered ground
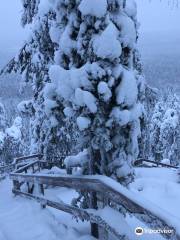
(22,219)
(160,186)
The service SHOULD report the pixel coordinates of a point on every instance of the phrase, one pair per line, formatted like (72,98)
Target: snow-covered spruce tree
(49,128)
(96,75)
(2,128)
(12,137)
(169,131)
(164,130)
(2,117)
(25,110)
(155,126)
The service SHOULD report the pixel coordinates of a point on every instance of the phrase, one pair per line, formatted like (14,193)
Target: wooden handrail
(26,167)
(79,183)
(110,189)
(82,214)
(37,155)
(141,160)
(14,164)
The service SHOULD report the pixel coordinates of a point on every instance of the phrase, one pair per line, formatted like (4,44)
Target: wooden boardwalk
(103,189)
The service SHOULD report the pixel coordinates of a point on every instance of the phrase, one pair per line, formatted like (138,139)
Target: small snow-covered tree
(25,110)
(150,100)
(155,126)
(48,134)
(11,141)
(2,128)
(2,117)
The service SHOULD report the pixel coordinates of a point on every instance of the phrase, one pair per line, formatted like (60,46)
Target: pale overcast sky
(11,32)
(155,17)
(158,16)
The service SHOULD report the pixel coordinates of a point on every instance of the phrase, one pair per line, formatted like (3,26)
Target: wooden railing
(102,188)
(25,159)
(18,162)
(140,161)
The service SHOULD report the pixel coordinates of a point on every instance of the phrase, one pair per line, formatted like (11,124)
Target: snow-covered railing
(19,162)
(103,188)
(140,161)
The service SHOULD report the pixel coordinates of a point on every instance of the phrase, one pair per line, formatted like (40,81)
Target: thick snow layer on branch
(49,105)
(128,31)
(66,43)
(44,7)
(2,138)
(104,90)
(170,118)
(85,98)
(68,111)
(15,130)
(107,45)
(78,160)
(126,92)
(83,123)
(131,8)
(69,83)
(25,106)
(93,7)
(123,117)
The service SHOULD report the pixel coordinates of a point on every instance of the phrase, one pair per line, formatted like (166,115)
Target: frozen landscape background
(159,42)
(155,188)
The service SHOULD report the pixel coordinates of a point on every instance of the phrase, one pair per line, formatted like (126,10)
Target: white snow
(170,118)
(128,31)
(66,43)
(104,90)
(146,199)
(160,186)
(123,117)
(131,8)
(83,123)
(126,92)
(68,111)
(24,106)
(107,44)
(154,188)
(83,98)
(15,130)
(117,221)
(68,86)
(166,161)
(2,138)
(23,219)
(77,160)
(93,7)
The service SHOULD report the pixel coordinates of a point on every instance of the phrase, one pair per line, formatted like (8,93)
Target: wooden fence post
(16,185)
(93,196)
(104,201)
